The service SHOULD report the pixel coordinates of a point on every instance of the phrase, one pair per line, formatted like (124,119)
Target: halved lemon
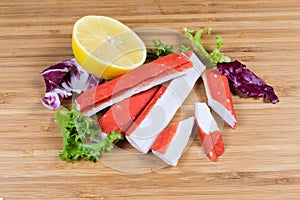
(106,47)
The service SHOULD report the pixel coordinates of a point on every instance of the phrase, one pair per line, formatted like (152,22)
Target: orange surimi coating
(164,138)
(209,132)
(218,90)
(212,144)
(171,63)
(165,73)
(147,109)
(171,142)
(122,114)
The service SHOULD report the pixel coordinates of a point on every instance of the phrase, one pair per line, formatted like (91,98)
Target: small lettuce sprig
(78,134)
(215,56)
(162,49)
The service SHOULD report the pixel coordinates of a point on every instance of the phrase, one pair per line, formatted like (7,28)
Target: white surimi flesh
(160,115)
(178,143)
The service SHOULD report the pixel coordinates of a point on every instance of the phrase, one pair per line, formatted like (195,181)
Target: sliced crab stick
(209,132)
(161,109)
(140,79)
(219,96)
(122,114)
(171,142)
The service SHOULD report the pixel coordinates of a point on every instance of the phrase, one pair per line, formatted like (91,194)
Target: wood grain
(262,157)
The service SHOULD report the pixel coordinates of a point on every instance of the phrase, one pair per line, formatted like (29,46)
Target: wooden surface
(262,157)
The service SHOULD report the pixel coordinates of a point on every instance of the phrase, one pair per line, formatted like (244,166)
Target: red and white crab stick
(219,96)
(122,114)
(209,132)
(171,142)
(140,79)
(161,109)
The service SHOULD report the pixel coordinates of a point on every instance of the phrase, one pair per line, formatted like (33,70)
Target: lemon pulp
(106,47)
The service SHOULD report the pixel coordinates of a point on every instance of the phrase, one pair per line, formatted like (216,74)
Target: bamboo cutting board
(262,156)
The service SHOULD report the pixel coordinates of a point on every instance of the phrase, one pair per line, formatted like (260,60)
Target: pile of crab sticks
(145,100)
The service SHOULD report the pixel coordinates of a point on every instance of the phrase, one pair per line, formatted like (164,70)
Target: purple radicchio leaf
(246,81)
(53,75)
(63,79)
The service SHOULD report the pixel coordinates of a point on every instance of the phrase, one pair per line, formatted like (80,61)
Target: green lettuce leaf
(215,56)
(78,132)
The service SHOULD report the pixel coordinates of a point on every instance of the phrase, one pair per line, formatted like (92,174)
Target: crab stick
(122,114)
(140,79)
(218,94)
(161,109)
(209,132)
(171,142)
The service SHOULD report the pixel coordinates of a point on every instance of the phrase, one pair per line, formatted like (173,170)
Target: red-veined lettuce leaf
(64,78)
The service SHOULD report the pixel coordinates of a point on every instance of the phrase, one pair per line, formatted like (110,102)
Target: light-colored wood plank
(262,156)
